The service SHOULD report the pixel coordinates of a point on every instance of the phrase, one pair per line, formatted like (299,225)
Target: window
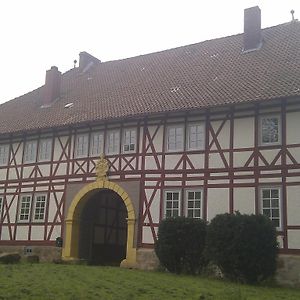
(39,209)
(175,138)
(129,140)
(194,203)
(96,146)
(271,204)
(4,149)
(82,145)
(25,205)
(195,136)
(270,130)
(45,148)
(172,203)
(30,151)
(113,142)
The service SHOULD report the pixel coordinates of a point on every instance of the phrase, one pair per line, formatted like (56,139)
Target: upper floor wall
(218,139)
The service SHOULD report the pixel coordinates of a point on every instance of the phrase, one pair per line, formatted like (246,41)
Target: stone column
(130,260)
(71,242)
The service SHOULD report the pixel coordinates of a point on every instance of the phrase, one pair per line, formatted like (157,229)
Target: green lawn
(50,281)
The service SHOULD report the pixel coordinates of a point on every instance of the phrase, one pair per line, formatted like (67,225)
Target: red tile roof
(202,75)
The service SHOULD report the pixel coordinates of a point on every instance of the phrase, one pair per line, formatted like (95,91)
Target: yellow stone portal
(71,241)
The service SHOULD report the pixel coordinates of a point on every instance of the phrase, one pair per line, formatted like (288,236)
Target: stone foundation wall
(45,253)
(288,270)
(146,259)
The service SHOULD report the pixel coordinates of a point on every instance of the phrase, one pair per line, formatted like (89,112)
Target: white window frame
(168,143)
(30,151)
(115,149)
(1,206)
(172,206)
(271,207)
(100,143)
(81,145)
(4,154)
(20,208)
(37,208)
(45,149)
(188,133)
(132,140)
(262,117)
(187,209)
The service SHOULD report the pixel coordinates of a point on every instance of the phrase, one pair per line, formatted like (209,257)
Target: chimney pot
(52,86)
(252,28)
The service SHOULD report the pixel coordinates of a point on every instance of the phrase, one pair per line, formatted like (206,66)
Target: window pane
(275,213)
(274,193)
(275,202)
(266,193)
(266,212)
(175,196)
(266,203)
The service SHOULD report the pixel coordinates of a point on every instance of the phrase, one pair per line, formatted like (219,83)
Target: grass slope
(59,282)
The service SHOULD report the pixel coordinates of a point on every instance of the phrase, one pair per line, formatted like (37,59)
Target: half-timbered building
(194,131)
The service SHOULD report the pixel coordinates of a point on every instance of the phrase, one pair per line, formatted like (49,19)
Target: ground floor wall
(288,267)
(45,253)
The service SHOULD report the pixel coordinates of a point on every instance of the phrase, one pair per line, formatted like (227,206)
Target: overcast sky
(37,34)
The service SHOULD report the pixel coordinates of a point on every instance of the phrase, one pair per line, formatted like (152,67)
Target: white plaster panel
(55,233)
(196,183)
(269,156)
(197,160)
(171,160)
(215,160)
(2,174)
(19,153)
(295,152)
(240,158)
(26,189)
(12,210)
(243,133)
(293,179)
(128,166)
(45,170)
(173,183)
(270,180)
(294,239)
(37,233)
(293,205)
(62,169)
(244,200)
(22,233)
(147,235)
(292,128)
(58,148)
(223,137)
(150,163)
(218,181)
(155,207)
(52,208)
(13,173)
(5,234)
(217,202)
(158,139)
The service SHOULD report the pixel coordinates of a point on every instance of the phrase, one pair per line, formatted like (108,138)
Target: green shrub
(244,247)
(10,258)
(180,244)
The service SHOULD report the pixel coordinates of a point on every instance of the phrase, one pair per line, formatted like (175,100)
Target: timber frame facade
(194,131)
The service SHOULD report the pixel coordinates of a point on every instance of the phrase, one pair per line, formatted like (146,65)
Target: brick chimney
(86,61)
(52,86)
(252,28)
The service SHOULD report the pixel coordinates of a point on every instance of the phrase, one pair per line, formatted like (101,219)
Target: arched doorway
(103,229)
(71,245)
